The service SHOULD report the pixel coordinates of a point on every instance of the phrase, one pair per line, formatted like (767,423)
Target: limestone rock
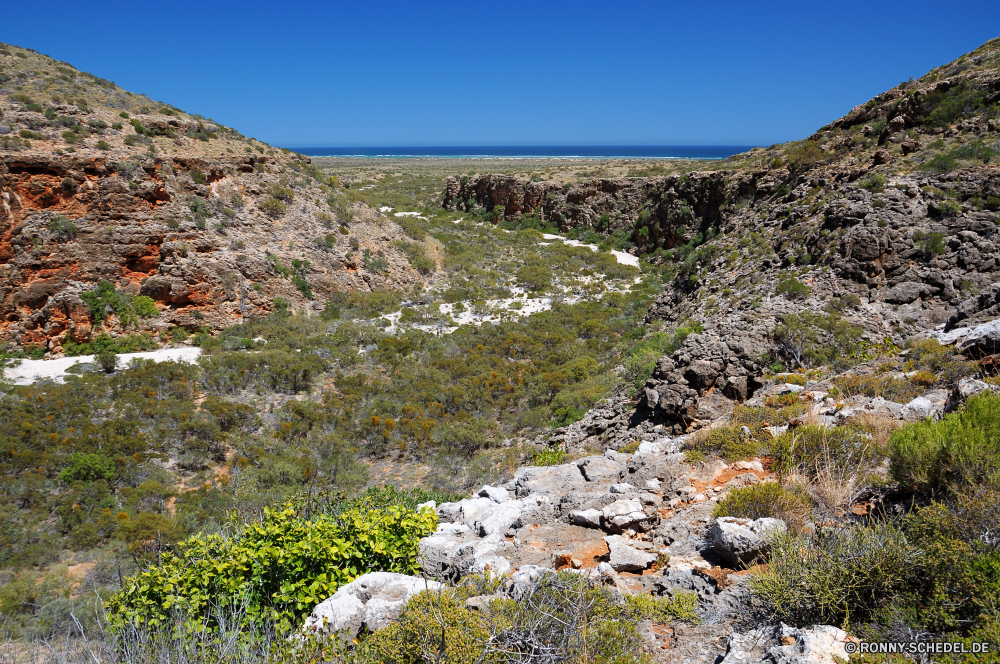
(372,600)
(625,558)
(741,541)
(494,493)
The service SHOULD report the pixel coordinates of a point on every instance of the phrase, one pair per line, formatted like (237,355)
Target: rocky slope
(886,219)
(99,184)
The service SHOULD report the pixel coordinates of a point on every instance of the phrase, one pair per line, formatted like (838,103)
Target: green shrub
(285,564)
(941,163)
(948,209)
(374,262)
(423,264)
(549,457)
(810,339)
(107,360)
(642,358)
(535,277)
(273,207)
(281,193)
(88,468)
(564,616)
(33,135)
(793,289)
(834,577)
(959,451)
(62,225)
(874,183)
(103,145)
(765,500)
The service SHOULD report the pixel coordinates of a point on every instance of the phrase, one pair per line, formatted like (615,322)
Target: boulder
(982,340)
(494,493)
(497,520)
(587,518)
(741,541)
(599,469)
(819,644)
(372,601)
(624,513)
(622,488)
(437,554)
(549,480)
(906,292)
(782,644)
(626,558)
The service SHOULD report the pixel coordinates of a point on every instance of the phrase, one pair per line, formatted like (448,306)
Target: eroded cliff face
(187,230)
(887,217)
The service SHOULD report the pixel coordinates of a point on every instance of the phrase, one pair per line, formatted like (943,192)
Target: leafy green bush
(273,207)
(948,209)
(104,299)
(874,183)
(931,243)
(374,261)
(125,343)
(642,358)
(768,499)
(941,163)
(62,225)
(810,339)
(107,360)
(565,616)
(959,451)
(834,577)
(88,468)
(549,457)
(285,564)
(793,289)
(535,277)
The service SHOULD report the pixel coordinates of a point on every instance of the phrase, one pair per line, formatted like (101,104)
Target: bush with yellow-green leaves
(280,567)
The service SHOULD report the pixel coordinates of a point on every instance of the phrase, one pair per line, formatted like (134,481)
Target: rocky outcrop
(372,601)
(192,224)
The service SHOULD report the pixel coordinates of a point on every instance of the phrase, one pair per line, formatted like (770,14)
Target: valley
(742,410)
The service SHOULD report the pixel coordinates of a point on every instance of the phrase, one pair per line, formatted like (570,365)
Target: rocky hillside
(883,221)
(99,184)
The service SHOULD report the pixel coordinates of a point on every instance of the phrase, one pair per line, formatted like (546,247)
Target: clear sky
(375,73)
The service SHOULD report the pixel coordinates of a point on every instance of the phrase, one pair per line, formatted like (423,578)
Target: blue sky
(303,74)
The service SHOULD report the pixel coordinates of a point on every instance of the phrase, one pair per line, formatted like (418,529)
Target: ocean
(533,151)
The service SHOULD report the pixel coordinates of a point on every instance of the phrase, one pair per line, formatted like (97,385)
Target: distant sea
(534,151)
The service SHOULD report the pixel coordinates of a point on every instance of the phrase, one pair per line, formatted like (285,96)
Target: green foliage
(805,155)
(947,209)
(768,499)
(941,163)
(107,360)
(931,243)
(374,262)
(104,299)
(534,277)
(976,151)
(62,225)
(88,468)
(874,183)
(810,339)
(102,343)
(945,107)
(959,451)
(564,616)
(285,565)
(551,457)
(273,207)
(836,576)
(641,359)
(793,289)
